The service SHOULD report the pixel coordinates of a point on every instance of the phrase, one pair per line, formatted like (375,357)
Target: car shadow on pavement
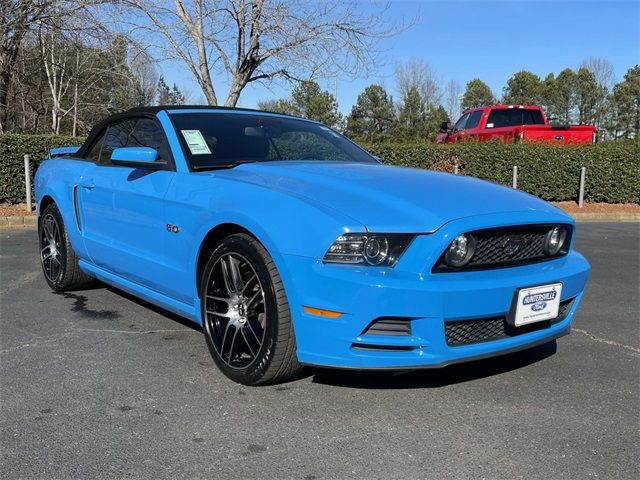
(434,378)
(156,309)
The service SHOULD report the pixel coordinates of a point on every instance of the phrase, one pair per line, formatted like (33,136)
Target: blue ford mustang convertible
(292,246)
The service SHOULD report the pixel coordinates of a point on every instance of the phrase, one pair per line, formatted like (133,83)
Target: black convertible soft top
(152,111)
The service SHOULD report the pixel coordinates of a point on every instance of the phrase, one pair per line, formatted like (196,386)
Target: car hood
(385,198)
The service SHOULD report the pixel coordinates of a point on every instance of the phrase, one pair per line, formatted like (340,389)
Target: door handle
(88,184)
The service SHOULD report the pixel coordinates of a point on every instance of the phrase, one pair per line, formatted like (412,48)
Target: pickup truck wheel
(59,261)
(245,312)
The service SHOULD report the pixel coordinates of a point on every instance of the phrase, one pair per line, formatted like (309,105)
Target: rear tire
(59,261)
(245,313)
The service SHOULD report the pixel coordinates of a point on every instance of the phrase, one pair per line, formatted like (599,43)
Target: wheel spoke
(226,277)
(250,284)
(254,301)
(227,330)
(54,232)
(48,231)
(219,299)
(246,340)
(236,276)
(232,350)
(253,330)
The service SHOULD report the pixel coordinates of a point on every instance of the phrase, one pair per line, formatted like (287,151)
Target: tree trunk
(5,78)
(74,132)
(234,94)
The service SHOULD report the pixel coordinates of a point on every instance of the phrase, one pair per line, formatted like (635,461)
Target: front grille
(506,246)
(466,332)
(389,326)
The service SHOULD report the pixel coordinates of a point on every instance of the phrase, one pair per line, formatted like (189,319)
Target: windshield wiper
(221,166)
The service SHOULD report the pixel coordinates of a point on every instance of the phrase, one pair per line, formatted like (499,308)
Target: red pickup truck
(515,123)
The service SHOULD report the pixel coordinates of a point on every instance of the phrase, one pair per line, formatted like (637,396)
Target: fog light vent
(392,326)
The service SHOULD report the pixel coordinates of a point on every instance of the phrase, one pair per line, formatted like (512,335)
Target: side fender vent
(76,207)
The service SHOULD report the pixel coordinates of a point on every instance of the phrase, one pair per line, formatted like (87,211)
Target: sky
(464,39)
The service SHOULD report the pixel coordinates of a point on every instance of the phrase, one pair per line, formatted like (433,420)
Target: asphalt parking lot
(97,384)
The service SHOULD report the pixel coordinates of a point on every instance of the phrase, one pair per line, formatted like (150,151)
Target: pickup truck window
(473,120)
(460,124)
(503,117)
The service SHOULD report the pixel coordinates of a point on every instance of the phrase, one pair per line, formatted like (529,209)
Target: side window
(460,124)
(134,132)
(117,137)
(535,117)
(146,133)
(473,120)
(498,117)
(93,154)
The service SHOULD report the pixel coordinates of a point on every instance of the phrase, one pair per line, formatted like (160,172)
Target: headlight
(460,251)
(382,250)
(554,241)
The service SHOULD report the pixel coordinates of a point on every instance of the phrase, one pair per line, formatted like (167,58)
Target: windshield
(219,140)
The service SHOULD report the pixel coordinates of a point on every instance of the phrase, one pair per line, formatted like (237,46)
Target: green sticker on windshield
(195,141)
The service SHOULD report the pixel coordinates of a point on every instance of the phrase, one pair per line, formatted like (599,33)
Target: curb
(605,217)
(31,221)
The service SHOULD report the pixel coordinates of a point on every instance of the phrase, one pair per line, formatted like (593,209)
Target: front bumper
(363,294)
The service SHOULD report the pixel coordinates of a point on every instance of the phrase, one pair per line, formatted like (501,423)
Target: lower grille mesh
(467,332)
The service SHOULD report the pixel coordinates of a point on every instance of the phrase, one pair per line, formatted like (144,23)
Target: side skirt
(182,309)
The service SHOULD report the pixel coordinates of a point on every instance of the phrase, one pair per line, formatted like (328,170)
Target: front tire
(245,313)
(59,261)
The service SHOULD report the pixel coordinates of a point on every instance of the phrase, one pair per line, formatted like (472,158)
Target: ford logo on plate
(536,307)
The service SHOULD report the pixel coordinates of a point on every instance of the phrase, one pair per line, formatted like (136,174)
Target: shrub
(551,172)
(13,147)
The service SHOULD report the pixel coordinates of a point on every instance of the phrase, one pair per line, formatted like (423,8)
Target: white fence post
(583,173)
(455,169)
(514,182)
(27,181)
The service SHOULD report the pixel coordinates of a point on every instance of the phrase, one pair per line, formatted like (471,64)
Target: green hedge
(548,171)
(13,147)
(551,172)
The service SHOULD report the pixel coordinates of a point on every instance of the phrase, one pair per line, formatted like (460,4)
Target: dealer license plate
(537,304)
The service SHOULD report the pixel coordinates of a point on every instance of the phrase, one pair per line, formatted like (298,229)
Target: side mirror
(137,157)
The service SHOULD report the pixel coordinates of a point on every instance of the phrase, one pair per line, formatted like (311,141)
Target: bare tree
(143,68)
(417,73)
(17,17)
(260,40)
(452,94)
(602,69)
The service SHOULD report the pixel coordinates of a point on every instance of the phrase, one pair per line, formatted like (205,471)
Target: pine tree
(169,96)
(524,88)
(477,94)
(589,95)
(373,116)
(412,116)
